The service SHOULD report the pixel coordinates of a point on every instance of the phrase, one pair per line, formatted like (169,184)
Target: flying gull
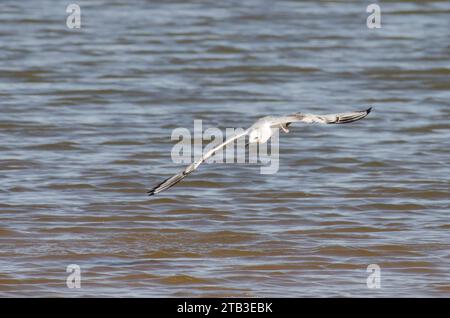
(259,133)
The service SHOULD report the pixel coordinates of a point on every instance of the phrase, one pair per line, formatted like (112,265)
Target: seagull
(260,132)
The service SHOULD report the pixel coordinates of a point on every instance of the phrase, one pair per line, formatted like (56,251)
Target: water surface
(85,125)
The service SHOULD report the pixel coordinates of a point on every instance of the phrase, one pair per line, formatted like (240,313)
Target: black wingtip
(369,110)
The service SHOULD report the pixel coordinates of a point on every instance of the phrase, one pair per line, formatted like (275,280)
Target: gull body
(260,132)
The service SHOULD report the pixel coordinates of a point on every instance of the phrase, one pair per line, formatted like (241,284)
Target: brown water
(85,124)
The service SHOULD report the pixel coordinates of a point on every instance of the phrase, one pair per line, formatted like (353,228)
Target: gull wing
(170,182)
(342,118)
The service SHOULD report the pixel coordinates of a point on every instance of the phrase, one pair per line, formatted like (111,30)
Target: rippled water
(85,125)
